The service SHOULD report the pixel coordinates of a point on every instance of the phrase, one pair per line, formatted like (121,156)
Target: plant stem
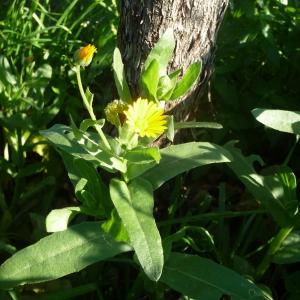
(13,295)
(210,216)
(19,163)
(90,109)
(291,151)
(273,248)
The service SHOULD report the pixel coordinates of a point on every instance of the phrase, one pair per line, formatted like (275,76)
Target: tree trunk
(195,24)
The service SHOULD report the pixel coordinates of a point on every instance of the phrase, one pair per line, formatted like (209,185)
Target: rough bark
(195,24)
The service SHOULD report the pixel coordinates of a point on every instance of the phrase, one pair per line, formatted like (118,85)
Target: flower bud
(84,55)
(114,112)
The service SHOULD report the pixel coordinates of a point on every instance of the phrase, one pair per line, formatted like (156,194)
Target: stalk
(20,163)
(90,109)
(210,216)
(273,248)
(286,161)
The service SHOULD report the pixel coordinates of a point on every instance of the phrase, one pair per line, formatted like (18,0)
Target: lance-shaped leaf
(90,98)
(6,74)
(201,278)
(58,219)
(170,128)
(275,192)
(149,80)
(85,124)
(162,52)
(89,188)
(166,86)
(134,204)
(60,254)
(184,157)
(188,80)
(140,160)
(83,146)
(120,79)
(184,125)
(282,120)
(289,251)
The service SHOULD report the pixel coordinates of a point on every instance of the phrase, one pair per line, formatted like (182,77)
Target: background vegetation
(257,65)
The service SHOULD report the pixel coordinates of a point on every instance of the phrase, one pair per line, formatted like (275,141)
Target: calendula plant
(124,207)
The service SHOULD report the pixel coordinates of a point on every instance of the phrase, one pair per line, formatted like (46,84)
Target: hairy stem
(90,109)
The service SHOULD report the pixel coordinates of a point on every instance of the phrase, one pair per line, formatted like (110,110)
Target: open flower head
(146,118)
(84,55)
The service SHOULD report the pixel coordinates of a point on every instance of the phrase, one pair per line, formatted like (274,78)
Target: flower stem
(90,109)
(273,248)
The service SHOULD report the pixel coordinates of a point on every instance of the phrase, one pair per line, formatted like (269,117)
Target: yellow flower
(146,118)
(84,55)
(114,112)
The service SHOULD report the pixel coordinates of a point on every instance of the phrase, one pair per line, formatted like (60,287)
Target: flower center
(141,125)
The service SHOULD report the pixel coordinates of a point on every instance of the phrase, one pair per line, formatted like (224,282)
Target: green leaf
(188,80)
(134,204)
(269,190)
(44,71)
(199,239)
(169,241)
(283,184)
(166,86)
(184,157)
(184,125)
(136,169)
(120,78)
(60,254)
(282,120)
(162,52)
(149,80)
(86,147)
(284,2)
(127,137)
(89,188)
(58,219)
(44,117)
(194,236)
(115,227)
(171,128)
(143,154)
(289,251)
(90,97)
(201,278)
(40,78)
(140,160)
(175,74)
(87,123)
(6,76)
(38,82)
(17,120)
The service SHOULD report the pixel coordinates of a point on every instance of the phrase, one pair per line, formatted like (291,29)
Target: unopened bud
(84,55)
